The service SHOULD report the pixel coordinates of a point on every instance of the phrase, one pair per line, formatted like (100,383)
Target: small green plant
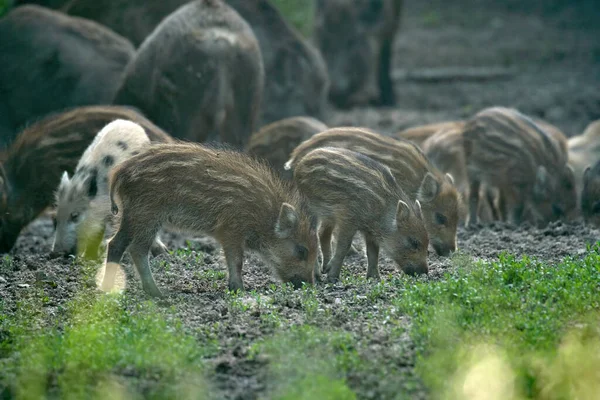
(6,264)
(503,323)
(99,338)
(307,362)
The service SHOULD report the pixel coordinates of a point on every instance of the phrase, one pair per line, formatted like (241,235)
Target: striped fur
(412,170)
(351,192)
(584,151)
(32,166)
(221,193)
(590,195)
(419,134)
(526,163)
(275,142)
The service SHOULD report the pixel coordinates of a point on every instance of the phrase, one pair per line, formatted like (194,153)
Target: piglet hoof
(373,276)
(333,279)
(234,286)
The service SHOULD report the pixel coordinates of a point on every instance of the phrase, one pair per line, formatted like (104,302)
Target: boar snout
(416,269)
(443,249)
(297,281)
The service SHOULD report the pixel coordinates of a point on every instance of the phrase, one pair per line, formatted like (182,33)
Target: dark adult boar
(32,166)
(227,195)
(507,150)
(415,174)
(199,75)
(297,81)
(276,141)
(50,61)
(356,37)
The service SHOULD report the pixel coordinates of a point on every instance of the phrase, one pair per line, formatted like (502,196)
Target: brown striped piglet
(584,151)
(590,194)
(419,134)
(415,174)
(275,142)
(224,194)
(507,150)
(32,166)
(351,192)
(82,201)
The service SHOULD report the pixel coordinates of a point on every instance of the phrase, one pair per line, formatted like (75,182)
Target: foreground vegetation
(509,329)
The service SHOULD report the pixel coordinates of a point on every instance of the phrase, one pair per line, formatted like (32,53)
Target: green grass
(100,345)
(300,14)
(514,325)
(308,363)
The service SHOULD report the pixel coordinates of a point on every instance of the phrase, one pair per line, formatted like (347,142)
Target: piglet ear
(402,212)
(419,210)
(429,189)
(64,179)
(286,222)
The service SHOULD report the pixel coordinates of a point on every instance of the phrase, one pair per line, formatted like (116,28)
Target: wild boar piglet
(413,172)
(590,194)
(82,201)
(351,192)
(220,193)
(276,141)
(507,150)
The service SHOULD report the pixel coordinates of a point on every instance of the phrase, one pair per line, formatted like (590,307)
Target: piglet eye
(74,217)
(440,219)
(301,253)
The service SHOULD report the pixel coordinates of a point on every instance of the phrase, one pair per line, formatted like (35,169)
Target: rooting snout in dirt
(220,193)
(351,192)
(83,204)
(413,172)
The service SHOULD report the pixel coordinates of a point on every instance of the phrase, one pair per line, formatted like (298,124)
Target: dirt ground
(553,52)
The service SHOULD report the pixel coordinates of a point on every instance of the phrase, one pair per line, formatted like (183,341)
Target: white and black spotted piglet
(83,204)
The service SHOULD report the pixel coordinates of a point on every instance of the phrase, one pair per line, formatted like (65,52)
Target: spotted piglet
(83,204)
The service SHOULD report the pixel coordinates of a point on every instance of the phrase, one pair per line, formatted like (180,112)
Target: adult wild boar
(298,81)
(199,75)
(31,168)
(356,37)
(50,61)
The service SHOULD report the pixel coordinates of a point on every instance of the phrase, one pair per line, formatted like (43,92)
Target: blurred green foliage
(5,5)
(300,14)
(511,329)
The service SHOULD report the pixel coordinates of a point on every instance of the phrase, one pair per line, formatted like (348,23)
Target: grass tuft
(103,345)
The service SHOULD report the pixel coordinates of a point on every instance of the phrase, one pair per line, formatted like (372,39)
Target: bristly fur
(41,153)
(415,174)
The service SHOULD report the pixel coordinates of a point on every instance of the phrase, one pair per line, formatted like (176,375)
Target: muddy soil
(554,54)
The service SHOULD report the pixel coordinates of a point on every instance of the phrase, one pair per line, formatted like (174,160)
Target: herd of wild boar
(125,118)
